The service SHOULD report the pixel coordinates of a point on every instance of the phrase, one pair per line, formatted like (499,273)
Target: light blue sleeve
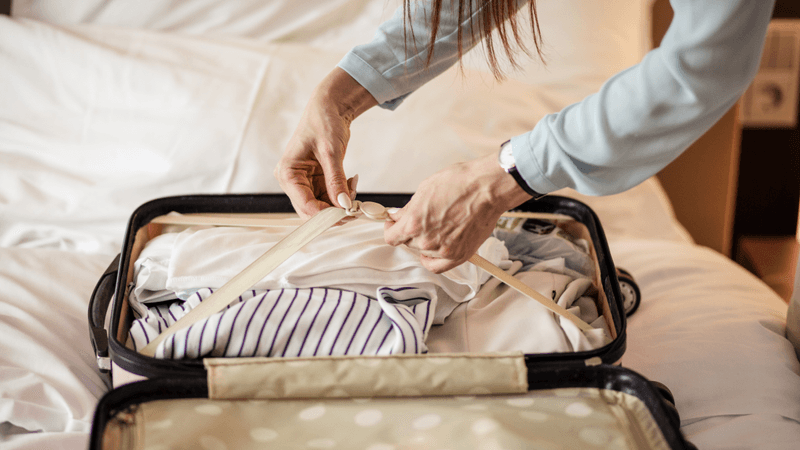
(640,120)
(391,68)
(645,116)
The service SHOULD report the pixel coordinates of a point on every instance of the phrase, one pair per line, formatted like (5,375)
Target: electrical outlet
(771,100)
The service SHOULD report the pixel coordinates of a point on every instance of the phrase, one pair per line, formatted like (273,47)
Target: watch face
(506,157)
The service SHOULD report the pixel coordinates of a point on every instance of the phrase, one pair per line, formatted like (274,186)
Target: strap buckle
(370,210)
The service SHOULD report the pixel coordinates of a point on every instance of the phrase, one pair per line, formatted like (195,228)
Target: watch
(506,160)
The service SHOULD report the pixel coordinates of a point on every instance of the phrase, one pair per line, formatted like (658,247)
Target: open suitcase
(494,400)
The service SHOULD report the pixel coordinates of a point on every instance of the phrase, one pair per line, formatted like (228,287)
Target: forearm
(348,98)
(393,64)
(645,116)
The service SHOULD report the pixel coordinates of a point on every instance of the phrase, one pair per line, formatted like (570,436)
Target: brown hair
(492,15)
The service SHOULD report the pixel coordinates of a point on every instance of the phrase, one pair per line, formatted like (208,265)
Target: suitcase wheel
(631,296)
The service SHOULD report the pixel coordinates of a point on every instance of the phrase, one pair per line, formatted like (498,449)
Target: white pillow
(96,122)
(339,24)
(585,42)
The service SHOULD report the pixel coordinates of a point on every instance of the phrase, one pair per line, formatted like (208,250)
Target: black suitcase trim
(134,362)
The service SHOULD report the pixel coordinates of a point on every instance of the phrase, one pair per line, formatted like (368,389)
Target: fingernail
(392,210)
(344,201)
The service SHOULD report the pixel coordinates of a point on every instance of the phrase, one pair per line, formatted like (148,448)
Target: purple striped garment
(294,322)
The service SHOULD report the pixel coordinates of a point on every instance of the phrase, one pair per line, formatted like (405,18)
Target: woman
(640,120)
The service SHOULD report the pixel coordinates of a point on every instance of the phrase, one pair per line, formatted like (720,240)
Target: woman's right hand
(311,171)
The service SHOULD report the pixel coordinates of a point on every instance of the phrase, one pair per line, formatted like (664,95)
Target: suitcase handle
(98,307)
(366,376)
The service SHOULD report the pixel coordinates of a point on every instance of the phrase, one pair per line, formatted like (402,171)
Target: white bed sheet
(714,334)
(49,383)
(97,120)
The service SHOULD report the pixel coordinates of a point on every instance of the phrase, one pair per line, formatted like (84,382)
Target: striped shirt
(293,322)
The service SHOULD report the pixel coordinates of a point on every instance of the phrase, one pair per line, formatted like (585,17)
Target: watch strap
(523,184)
(512,170)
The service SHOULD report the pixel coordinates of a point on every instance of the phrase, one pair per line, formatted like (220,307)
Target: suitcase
(555,400)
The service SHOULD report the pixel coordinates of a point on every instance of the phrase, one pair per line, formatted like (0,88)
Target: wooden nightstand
(772,259)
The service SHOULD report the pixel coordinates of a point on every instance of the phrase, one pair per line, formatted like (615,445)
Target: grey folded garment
(544,245)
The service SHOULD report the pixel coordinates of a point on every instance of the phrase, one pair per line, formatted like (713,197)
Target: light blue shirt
(641,119)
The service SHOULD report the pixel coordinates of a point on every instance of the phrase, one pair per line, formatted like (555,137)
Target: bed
(109,104)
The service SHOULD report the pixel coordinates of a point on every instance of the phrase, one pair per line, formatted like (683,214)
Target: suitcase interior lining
(561,417)
(150,231)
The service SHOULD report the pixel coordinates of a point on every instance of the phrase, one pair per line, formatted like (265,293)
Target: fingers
(393,215)
(402,229)
(336,182)
(392,232)
(308,186)
(437,260)
(307,209)
(297,184)
(353,183)
(439,265)
(344,199)
(309,193)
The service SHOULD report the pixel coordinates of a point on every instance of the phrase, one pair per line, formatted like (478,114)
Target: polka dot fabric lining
(561,418)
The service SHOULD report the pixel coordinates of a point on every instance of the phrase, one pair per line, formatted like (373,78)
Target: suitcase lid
(600,406)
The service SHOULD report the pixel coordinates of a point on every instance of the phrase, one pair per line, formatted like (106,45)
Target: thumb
(336,182)
(395,214)
(392,234)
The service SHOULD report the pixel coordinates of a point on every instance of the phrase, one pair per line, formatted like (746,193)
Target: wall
(769,177)
(735,182)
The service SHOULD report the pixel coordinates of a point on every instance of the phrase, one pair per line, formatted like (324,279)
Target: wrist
(502,190)
(343,93)
(507,162)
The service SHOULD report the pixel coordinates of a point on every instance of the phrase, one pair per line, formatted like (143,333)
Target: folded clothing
(348,292)
(351,257)
(292,322)
(491,322)
(534,241)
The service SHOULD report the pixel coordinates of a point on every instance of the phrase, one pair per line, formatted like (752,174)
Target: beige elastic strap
(229,220)
(284,219)
(367,376)
(262,266)
(526,290)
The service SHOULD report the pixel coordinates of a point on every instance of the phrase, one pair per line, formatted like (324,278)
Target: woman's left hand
(454,211)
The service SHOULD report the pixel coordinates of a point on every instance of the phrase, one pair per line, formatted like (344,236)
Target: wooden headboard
(702,182)
(5,7)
